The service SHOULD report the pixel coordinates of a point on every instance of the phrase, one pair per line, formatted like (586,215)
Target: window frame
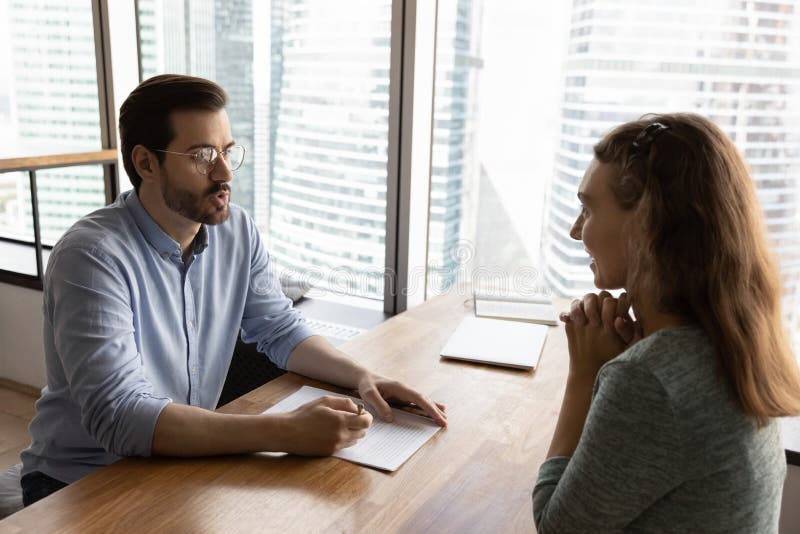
(411,86)
(106,15)
(411,99)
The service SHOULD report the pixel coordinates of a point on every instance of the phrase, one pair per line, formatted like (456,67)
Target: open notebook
(497,342)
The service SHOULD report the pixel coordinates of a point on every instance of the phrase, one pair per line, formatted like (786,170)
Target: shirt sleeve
(87,303)
(269,319)
(629,456)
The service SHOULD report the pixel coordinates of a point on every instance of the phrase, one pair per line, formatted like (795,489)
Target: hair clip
(646,137)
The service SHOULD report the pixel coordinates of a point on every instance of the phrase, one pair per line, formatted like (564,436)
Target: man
(143,301)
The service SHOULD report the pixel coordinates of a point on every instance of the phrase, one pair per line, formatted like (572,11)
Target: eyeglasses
(206,158)
(646,137)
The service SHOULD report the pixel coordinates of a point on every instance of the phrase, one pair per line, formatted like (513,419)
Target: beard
(195,206)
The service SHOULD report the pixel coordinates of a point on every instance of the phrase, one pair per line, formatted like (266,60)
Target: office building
(54,109)
(316,182)
(329,110)
(455,170)
(211,39)
(732,61)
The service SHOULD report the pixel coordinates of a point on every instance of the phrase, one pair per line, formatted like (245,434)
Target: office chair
(249,369)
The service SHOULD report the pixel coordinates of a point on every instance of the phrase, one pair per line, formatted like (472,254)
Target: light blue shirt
(129,328)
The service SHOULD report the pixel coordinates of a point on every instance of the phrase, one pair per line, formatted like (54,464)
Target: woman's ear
(145,163)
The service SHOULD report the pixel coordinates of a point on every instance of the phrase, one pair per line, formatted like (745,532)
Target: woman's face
(602,226)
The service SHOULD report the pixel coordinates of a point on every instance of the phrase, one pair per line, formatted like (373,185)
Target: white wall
(21,346)
(790,511)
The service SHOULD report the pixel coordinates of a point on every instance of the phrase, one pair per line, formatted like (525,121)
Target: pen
(360,408)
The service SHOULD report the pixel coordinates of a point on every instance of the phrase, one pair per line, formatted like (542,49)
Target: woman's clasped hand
(599,328)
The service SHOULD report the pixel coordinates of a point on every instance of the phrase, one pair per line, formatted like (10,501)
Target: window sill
(338,321)
(18,262)
(20,279)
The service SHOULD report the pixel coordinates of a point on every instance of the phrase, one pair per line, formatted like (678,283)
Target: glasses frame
(213,162)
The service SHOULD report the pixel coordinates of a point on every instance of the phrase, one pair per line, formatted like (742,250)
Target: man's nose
(222,171)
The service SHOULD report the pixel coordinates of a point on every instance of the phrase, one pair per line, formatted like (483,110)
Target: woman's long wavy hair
(702,248)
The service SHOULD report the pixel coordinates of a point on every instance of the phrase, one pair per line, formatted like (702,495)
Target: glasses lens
(235,156)
(205,159)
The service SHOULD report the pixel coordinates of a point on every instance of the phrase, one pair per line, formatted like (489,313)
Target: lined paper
(386,446)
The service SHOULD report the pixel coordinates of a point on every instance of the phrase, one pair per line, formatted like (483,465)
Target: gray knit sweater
(665,448)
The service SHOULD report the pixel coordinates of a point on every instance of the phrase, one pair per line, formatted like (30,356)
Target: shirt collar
(158,239)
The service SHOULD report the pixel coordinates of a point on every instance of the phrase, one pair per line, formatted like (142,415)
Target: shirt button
(191,324)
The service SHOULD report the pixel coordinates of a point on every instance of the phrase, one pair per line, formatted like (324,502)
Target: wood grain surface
(34,163)
(474,476)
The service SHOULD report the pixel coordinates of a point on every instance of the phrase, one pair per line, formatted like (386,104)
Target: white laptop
(497,342)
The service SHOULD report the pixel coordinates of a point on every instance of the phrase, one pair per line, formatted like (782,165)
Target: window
(521,92)
(524,89)
(495,131)
(308,86)
(49,105)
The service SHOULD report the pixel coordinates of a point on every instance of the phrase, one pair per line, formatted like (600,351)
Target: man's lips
(220,199)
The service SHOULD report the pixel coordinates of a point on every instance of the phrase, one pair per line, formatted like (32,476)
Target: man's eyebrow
(208,145)
(583,197)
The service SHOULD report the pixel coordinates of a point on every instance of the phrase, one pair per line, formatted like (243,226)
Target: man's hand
(377,390)
(598,328)
(316,358)
(324,426)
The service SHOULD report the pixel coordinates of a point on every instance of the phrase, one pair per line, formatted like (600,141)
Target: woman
(667,422)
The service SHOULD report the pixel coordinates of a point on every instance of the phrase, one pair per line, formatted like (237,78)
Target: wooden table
(474,476)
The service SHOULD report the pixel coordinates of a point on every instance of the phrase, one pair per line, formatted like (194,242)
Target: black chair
(249,369)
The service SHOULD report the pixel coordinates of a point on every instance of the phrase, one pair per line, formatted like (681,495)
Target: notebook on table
(496,342)
(516,308)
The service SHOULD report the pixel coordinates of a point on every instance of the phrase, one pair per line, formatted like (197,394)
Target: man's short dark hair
(144,118)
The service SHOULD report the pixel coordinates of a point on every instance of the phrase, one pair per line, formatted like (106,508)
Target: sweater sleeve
(629,455)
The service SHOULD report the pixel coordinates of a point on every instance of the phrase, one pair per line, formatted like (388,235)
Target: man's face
(198,197)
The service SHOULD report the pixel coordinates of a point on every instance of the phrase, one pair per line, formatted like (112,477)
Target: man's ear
(145,163)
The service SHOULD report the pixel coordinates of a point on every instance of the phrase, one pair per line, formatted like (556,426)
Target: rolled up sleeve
(269,319)
(89,301)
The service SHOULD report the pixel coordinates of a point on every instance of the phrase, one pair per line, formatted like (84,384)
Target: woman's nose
(577,229)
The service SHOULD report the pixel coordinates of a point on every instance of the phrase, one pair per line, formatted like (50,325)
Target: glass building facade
(329,110)
(736,62)
(455,170)
(53,109)
(211,39)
